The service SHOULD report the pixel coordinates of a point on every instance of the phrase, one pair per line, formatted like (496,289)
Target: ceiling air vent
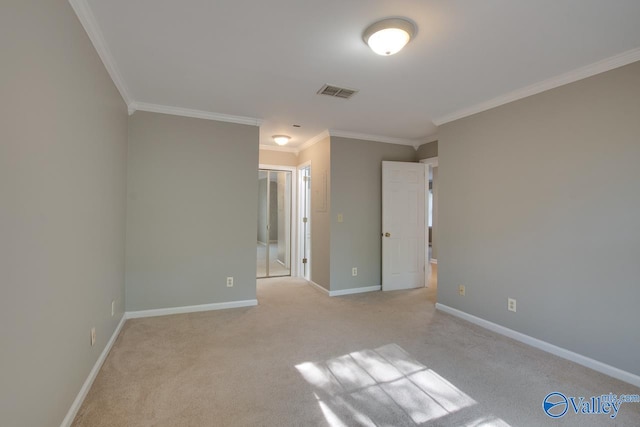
(338,92)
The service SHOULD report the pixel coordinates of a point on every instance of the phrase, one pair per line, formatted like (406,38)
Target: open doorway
(431,202)
(275,222)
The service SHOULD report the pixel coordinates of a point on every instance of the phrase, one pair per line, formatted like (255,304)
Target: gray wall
(63,136)
(356,193)
(539,201)
(425,151)
(320,156)
(191,211)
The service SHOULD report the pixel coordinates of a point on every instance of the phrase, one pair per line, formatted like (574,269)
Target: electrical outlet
(461,290)
(340,218)
(113,307)
(229,282)
(354,271)
(511,304)
(93,336)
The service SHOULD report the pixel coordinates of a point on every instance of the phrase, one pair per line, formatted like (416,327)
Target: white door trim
(300,236)
(431,162)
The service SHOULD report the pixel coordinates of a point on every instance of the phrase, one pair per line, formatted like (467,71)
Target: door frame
(294,211)
(301,236)
(430,163)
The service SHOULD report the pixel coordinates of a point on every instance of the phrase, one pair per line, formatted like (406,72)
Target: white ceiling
(266,59)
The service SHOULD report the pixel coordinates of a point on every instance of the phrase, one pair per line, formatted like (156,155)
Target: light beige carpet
(302,358)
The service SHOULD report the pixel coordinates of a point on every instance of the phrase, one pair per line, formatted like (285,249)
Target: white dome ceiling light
(389,36)
(281,139)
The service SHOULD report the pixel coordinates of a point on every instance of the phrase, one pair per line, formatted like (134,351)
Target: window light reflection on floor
(387,387)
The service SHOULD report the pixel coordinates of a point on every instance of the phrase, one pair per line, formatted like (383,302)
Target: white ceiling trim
(197,114)
(616,61)
(319,137)
(279,148)
(376,138)
(88,21)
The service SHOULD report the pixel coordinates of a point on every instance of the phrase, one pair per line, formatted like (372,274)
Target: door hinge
(304,260)
(305,219)
(306,178)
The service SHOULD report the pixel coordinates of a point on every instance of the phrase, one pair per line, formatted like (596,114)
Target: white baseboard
(344,291)
(312,283)
(77,403)
(545,346)
(354,291)
(190,309)
(433,261)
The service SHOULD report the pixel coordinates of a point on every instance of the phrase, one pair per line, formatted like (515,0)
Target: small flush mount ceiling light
(281,139)
(389,36)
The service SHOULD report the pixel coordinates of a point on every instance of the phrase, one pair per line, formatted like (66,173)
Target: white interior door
(403,225)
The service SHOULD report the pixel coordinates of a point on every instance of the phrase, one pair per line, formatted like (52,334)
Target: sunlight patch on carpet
(387,387)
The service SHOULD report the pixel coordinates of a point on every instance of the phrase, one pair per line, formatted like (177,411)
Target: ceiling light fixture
(281,139)
(389,36)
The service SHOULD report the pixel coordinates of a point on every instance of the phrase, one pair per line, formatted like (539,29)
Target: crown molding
(197,114)
(607,64)
(415,143)
(376,138)
(88,21)
(319,137)
(292,150)
(427,140)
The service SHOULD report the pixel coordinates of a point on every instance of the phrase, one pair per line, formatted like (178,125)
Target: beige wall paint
(191,212)
(278,158)
(356,193)
(320,156)
(539,201)
(63,136)
(428,150)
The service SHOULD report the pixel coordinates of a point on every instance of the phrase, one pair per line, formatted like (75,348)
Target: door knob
(387,234)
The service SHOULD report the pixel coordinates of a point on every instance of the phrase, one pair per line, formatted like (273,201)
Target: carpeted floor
(301,358)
